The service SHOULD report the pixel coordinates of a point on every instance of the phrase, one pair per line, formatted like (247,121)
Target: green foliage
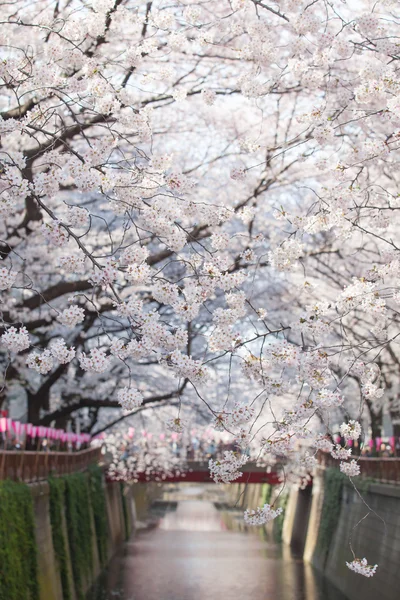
(125,512)
(57,490)
(333,487)
(78,495)
(278,522)
(98,500)
(80,535)
(18,552)
(266,493)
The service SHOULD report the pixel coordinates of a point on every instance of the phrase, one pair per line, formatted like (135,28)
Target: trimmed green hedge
(18,552)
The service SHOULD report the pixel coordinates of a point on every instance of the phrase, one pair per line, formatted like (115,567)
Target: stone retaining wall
(120,524)
(376,537)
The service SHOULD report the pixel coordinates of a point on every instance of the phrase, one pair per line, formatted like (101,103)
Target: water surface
(193,551)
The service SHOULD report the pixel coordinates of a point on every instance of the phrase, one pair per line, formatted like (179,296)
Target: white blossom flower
(350,469)
(138,273)
(59,350)
(97,362)
(7,278)
(77,217)
(129,398)
(350,430)
(209,97)
(42,363)
(361,566)
(71,316)
(16,340)
(340,453)
(55,233)
(284,257)
(175,424)
(260,516)
(238,173)
(226,469)
(73,264)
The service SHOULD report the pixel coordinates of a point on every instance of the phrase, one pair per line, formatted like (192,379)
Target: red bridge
(197,472)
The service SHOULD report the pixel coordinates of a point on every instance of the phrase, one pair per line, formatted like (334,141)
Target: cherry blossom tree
(199,205)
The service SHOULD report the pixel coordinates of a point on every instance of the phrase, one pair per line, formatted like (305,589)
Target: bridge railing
(36,466)
(385,470)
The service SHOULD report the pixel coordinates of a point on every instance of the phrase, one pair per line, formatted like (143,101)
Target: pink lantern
(3,424)
(34,431)
(18,427)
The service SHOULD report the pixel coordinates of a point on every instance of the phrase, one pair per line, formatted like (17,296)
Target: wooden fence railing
(36,466)
(386,470)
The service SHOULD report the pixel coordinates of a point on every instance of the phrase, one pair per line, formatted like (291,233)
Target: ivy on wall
(18,552)
(78,495)
(57,490)
(80,534)
(266,493)
(98,501)
(125,513)
(278,522)
(333,487)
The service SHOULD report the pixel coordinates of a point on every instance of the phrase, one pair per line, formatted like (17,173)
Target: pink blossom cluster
(361,566)
(226,469)
(261,516)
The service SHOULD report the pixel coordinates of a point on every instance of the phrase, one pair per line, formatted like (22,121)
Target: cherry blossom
(351,430)
(207,207)
(175,424)
(42,363)
(16,340)
(260,516)
(226,469)
(71,316)
(361,566)
(7,278)
(97,361)
(129,398)
(350,469)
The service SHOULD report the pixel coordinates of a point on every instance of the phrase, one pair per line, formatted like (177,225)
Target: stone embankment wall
(57,536)
(321,522)
(119,521)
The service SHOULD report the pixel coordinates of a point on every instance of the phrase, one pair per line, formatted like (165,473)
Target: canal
(194,548)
